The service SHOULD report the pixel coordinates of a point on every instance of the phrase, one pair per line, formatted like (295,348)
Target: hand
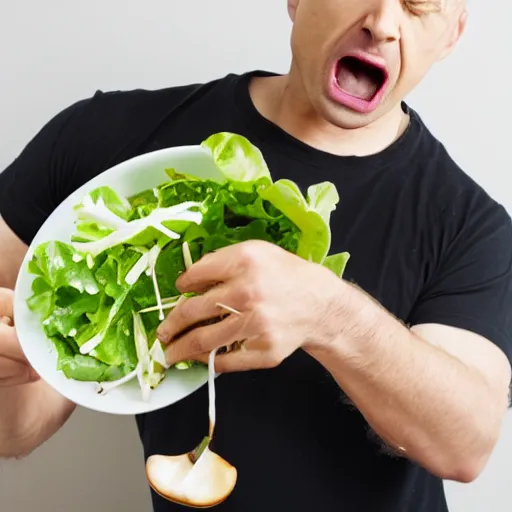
(14,368)
(280,301)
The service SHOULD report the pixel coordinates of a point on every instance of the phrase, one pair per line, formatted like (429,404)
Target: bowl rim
(191,380)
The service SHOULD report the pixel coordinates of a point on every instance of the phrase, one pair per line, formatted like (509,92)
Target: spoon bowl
(202,484)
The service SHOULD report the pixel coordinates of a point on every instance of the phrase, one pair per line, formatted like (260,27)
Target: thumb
(6,302)
(9,344)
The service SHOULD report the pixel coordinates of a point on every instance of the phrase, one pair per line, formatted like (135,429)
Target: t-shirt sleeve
(471,287)
(32,186)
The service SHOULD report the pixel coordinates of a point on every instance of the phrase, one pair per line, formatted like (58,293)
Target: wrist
(351,320)
(330,317)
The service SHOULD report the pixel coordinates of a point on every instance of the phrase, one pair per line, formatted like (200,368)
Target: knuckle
(249,295)
(247,255)
(186,313)
(273,338)
(185,310)
(263,320)
(258,290)
(197,342)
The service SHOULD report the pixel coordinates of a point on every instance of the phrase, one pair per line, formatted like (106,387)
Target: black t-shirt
(426,241)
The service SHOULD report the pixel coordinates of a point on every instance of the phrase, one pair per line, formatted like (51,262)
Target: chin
(347,119)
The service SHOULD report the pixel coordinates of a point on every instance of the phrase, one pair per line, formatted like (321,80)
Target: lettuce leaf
(102,296)
(84,368)
(315,237)
(238,160)
(337,263)
(100,213)
(59,265)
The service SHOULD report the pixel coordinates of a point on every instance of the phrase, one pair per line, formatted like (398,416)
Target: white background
(55,52)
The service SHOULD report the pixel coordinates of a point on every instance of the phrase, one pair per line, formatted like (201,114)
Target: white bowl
(132,176)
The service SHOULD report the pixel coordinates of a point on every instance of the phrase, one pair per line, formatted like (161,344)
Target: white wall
(54,52)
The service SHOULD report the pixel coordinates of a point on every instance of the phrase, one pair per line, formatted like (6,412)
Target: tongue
(357,81)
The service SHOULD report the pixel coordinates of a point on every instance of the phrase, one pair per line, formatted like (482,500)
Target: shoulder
(468,233)
(450,193)
(106,109)
(469,281)
(467,208)
(111,126)
(85,138)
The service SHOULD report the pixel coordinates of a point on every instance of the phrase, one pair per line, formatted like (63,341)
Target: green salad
(101,296)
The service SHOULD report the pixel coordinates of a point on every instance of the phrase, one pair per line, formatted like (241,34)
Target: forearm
(30,413)
(29,416)
(418,398)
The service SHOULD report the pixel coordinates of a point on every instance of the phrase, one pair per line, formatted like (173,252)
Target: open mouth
(360,78)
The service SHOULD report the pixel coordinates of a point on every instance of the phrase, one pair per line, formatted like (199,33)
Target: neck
(282,101)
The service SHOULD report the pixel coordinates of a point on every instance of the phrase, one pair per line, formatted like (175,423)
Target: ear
(292,8)
(458,30)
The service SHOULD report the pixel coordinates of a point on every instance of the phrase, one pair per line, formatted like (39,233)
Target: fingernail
(5,320)
(163,337)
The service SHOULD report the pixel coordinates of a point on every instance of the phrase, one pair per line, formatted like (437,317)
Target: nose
(382,23)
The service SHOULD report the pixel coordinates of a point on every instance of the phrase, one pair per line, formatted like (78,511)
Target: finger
(253,353)
(5,320)
(237,345)
(14,373)
(9,345)
(6,302)
(202,340)
(191,312)
(215,267)
(201,358)
(238,361)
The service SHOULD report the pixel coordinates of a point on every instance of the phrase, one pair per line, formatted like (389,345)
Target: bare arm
(435,393)
(30,413)
(12,251)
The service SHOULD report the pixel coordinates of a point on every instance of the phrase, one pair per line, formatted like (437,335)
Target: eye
(423,7)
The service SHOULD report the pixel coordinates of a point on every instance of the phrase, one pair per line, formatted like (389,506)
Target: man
(360,394)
